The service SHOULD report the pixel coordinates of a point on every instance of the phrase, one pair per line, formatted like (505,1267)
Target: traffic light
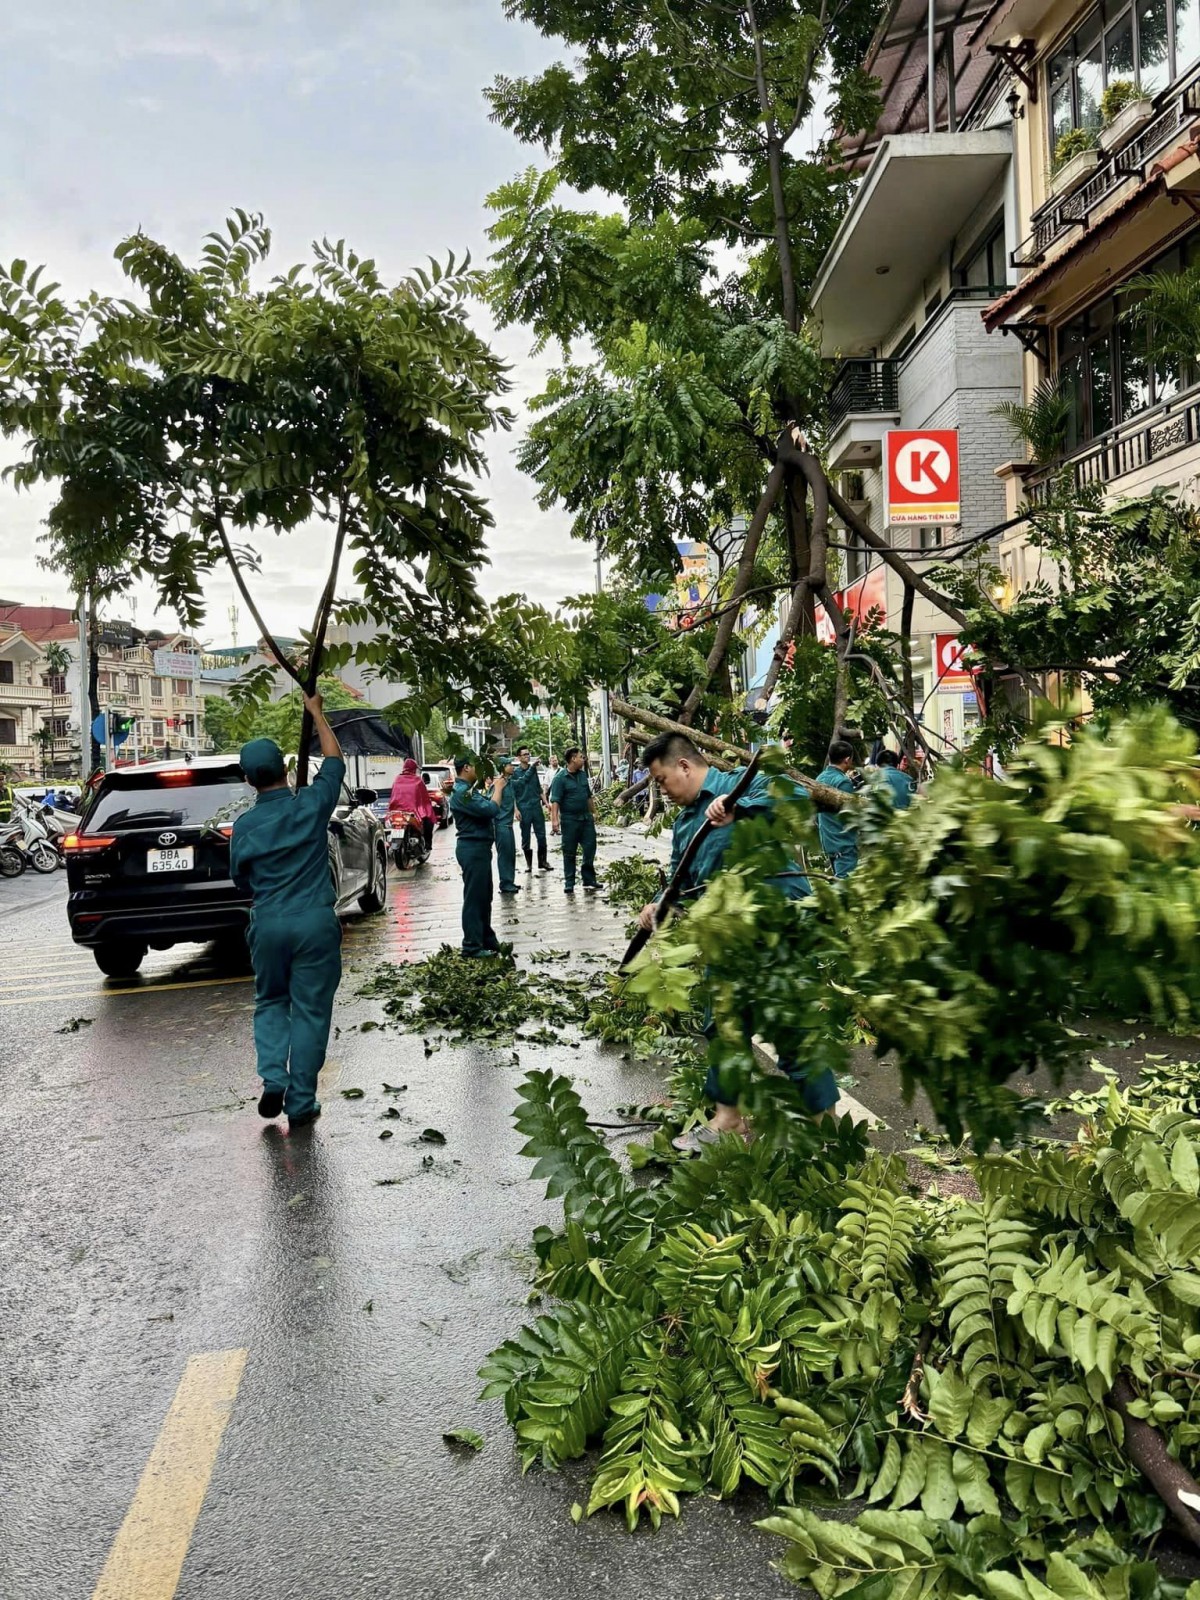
(120,726)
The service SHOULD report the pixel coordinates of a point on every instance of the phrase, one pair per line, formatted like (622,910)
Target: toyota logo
(167,838)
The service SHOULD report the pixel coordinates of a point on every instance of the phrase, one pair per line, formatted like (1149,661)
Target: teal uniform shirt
(279,852)
(756,802)
(571,792)
(896,786)
(839,837)
(507,804)
(525,788)
(474,815)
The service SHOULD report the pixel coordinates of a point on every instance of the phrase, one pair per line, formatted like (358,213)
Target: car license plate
(177,860)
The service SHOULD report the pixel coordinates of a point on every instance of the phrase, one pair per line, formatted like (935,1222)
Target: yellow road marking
(147,1555)
(105,994)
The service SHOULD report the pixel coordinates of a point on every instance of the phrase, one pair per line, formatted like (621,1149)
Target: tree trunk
(93,674)
(906,672)
(1147,1449)
(775,143)
(741,582)
(320,627)
(825,798)
(801,613)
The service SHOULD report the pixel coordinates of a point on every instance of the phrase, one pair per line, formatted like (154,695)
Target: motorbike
(407,844)
(58,823)
(27,833)
(441,808)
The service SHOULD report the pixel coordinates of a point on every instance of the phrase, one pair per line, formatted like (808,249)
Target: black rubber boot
(529,861)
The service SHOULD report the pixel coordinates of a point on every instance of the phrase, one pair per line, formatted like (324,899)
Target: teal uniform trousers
(506,843)
(475,818)
(527,791)
(572,793)
(279,853)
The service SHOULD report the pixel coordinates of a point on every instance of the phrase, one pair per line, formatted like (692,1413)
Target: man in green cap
(526,785)
(475,819)
(279,854)
(837,830)
(572,809)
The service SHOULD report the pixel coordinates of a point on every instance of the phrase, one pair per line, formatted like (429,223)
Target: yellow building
(1127,76)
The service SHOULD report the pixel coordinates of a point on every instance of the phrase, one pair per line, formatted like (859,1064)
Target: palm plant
(57,659)
(1168,305)
(1041,422)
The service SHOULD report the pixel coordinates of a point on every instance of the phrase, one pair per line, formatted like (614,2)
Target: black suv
(149,866)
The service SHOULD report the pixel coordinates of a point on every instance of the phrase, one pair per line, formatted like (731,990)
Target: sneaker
(270,1103)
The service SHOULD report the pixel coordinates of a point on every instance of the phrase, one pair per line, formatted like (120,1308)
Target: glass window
(6,674)
(159,802)
(156,688)
(1101,386)
(1118,48)
(1089,74)
(1133,348)
(8,730)
(1154,69)
(1187,33)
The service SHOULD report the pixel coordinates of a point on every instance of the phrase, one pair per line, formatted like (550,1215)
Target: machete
(674,890)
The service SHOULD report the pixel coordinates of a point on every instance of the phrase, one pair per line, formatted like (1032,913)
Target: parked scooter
(29,835)
(58,824)
(408,844)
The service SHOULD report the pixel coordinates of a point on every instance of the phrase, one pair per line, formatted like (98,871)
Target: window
(931,306)
(909,335)
(156,688)
(181,687)
(1151,42)
(104,680)
(57,683)
(7,675)
(150,802)
(930,538)
(1106,362)
(60,727)
(858,558)
(156,730)
(987,265)
(133,685)
(8,728)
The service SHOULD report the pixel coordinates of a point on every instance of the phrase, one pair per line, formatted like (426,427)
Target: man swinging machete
(703,794)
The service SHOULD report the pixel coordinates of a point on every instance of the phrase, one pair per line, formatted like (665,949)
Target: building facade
(1120,86)
(923,250)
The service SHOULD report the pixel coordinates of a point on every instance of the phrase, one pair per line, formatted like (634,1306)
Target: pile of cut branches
(1009,1386)
(470,999)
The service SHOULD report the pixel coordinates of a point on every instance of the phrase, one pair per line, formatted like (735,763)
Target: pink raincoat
(410,794)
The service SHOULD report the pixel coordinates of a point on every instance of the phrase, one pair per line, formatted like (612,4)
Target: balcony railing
(864,387)
(1160,431)
(24,694)
(1058,216)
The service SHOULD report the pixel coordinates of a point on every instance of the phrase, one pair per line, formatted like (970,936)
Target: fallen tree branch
(825,798)
(1147,1449)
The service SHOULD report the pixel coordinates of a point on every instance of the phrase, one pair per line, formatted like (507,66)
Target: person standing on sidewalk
(572,809)
(684,776)
(526,785)
(506,844)
(279,855)
(839,838)
(475,820)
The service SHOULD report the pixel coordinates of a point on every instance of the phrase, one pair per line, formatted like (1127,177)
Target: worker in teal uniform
(572,809)
(526,784)
(891,781)
(839,837)
(279,854)
(684,776)
(475,819)
(506,843)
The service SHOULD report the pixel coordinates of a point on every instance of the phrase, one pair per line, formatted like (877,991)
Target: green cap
(262,762)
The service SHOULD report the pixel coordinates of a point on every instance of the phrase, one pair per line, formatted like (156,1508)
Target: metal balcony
(863,387)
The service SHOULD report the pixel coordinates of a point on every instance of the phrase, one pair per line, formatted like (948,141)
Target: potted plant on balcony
(1124,109)
(1041,423)
(1076,157)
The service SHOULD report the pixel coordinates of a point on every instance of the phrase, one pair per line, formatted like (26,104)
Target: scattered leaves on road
(459,1271)
(478,999)
(352,1094)
(73,1025)
(431,1136)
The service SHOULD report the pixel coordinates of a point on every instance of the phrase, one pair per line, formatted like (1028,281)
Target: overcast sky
(361,119)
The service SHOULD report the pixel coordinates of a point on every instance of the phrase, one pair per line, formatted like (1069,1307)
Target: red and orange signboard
(923,477)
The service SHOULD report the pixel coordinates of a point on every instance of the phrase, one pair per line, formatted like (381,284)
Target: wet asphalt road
(148,1216)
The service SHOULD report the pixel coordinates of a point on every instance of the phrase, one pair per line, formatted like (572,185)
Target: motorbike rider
(411,793)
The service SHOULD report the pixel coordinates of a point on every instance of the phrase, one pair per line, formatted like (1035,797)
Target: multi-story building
(45,714)
(1122,82)
(922,251)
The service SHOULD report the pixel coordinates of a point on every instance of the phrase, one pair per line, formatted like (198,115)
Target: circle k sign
(923,477)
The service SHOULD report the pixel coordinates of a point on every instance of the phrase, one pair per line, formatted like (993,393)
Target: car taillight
(227,829)
(88,841)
